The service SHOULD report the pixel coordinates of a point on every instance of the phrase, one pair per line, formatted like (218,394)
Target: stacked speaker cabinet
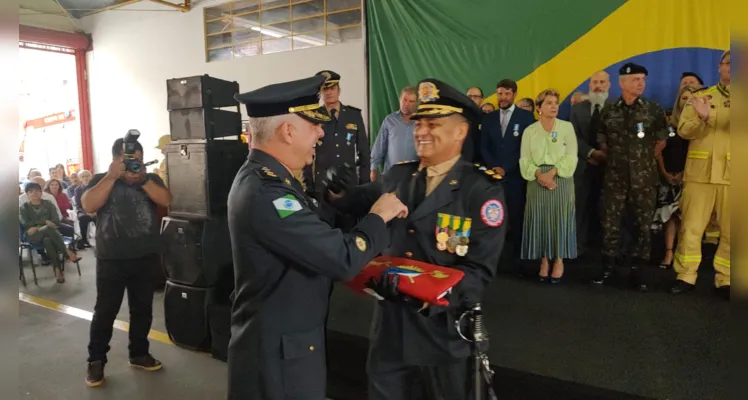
(201,161)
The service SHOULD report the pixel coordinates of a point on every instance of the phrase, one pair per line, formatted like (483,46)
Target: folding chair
(25,244)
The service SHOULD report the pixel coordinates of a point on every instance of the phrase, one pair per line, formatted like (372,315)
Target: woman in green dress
(40,220)
(548,158)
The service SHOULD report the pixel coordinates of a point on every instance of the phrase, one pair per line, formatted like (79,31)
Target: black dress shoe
(723,291)
(636,282)
(681,287)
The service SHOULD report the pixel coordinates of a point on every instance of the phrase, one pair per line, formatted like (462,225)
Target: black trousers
(83,221)
(449,381)
(112,278)
(515,193)
(588,196)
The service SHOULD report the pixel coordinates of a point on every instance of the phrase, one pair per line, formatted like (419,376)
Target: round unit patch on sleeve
(360,243)
(492,213)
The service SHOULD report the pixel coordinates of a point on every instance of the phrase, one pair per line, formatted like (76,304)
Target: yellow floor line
(87,315)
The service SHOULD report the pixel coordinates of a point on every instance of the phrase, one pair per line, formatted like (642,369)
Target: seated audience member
(40,222)
(548,158)
(61,175)
(671,162)
(487,108)
(22,199)
(54,187)
(84,219)
(74,183)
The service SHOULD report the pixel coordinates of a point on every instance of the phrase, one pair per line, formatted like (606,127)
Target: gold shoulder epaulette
(267,173)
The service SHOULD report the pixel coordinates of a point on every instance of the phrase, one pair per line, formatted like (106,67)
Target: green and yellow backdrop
(540,44)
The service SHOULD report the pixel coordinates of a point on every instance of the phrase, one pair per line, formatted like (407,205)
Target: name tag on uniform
(351,126)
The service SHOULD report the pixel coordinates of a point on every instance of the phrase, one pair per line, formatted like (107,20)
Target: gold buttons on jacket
(408,254)
(311,348)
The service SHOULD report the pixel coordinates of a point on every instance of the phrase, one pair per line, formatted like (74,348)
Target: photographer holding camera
(128,245)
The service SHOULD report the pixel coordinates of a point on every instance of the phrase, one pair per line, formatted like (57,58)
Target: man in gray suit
(585,117)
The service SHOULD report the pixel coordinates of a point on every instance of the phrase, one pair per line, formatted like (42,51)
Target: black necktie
(594,123)
(419,188)
(333,112)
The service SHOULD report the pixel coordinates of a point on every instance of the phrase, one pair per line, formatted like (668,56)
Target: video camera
(132,164)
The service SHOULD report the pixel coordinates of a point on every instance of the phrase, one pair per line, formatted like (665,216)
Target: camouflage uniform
(631,172)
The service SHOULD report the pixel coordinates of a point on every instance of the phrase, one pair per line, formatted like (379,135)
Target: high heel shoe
(670,264)
(542,279)
(555,281)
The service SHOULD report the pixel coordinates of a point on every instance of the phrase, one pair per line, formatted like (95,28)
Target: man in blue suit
(501,137)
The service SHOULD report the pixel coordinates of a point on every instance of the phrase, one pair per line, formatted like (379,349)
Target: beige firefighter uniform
(706,185)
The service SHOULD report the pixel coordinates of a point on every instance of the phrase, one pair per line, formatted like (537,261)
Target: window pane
(276,15)
(344,35)
(217,11)
(344,19)
(247,49)
(309,25)
(219,54)
(313,7)
(273,3)
(243,6)
(219,40)
(278,30)
(247,21)
(218,26)
(309,40)
(336,5)
(276,45)
(246,35)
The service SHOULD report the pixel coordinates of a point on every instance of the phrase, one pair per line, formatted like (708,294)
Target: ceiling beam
(184,8)
(118,5)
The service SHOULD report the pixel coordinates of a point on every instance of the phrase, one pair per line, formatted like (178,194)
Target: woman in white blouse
(547,161)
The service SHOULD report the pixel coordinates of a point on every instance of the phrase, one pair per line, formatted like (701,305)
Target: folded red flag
(420,280)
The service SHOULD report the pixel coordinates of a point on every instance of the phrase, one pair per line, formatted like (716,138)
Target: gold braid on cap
(437,109)
(303,108)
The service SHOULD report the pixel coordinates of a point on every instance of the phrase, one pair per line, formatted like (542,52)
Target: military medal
(454,240)
(671,130)
(441,232)
(348,138)
(554,135)
(640,128)
(464,238)
(516,130)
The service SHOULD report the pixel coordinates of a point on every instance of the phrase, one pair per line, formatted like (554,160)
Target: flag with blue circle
(286,205)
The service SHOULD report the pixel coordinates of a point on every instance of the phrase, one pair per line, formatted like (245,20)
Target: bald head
(39,180)
(600,82)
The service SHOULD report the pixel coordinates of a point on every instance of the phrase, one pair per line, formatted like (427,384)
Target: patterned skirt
(550,228)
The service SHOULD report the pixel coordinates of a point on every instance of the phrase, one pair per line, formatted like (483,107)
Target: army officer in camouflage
(629,132)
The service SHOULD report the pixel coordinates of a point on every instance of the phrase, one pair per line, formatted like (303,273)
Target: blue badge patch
(492,213)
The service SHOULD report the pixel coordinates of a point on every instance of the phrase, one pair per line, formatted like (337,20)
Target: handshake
(338,180)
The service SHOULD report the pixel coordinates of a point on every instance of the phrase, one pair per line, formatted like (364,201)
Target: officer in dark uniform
(285,257)
(628,132)
(456,219)
(345,142)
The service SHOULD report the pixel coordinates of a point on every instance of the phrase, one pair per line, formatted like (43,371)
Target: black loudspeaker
(186,315)
(204,123)
(201,174)
(197,252)
(200,92)
(219,317)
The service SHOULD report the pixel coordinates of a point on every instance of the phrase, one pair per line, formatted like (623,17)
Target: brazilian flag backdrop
(540,44)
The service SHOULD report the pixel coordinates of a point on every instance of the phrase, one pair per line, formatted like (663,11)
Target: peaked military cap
(437,99)
(632,69)
(331,78)
(300,97)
